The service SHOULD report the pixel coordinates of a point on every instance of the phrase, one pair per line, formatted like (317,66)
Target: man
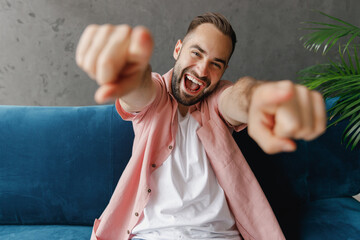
(186,178)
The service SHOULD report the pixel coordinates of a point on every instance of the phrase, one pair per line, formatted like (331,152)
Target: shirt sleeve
(128,116)
(223,84)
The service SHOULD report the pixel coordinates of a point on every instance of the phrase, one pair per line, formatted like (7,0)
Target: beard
(182,97)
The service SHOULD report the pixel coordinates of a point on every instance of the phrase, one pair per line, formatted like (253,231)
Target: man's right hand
(117,57)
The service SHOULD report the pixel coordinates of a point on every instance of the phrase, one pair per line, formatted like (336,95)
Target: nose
(202,69)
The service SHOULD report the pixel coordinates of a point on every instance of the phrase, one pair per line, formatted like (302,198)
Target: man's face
(200,62)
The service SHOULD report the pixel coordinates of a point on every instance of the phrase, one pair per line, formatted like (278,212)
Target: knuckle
(310,136)
(302,87)
(120,34)
(246,78)
(124,27)
(88,67)
(321,129)
(303,90)
(104,62)
(292,129)
(107,27)
(124,30)
(91,27)
(305,132)
(318,131)
(287,84)
(102,33)
(79,61)
(316,96)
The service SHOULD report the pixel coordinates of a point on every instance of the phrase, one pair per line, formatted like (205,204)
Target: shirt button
(153,165)
(149,190)
(170,147)
(136,214)
(128,232)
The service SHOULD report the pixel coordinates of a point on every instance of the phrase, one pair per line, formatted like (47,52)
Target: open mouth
(193,85)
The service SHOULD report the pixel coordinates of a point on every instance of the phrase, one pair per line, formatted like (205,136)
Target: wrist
(246,87)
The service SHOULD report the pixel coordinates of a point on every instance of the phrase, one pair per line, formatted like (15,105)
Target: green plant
(341,79)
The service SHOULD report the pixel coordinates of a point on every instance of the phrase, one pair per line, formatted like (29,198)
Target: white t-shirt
(187,202)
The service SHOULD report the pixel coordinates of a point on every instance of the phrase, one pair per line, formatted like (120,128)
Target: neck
(183,109)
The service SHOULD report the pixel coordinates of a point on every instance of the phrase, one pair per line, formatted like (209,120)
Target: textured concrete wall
(38,39)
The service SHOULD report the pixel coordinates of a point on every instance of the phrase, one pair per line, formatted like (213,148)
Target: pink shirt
(155,130)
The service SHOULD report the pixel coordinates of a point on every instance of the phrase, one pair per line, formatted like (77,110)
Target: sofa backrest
(60,165)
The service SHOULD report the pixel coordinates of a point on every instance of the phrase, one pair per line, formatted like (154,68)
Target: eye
(196,54)
(217,65)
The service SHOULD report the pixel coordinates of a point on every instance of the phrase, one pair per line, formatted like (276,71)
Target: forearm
(235,101)
(140,96)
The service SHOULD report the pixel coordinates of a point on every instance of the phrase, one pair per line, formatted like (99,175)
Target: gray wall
(38,40)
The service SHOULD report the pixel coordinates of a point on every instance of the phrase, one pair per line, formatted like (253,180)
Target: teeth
(194,80)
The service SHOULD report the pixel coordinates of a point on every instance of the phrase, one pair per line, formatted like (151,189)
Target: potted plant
(339,80)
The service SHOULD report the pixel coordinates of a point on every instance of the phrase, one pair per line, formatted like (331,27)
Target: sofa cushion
(45,232)
(334,170)
(60,165)
(336,218)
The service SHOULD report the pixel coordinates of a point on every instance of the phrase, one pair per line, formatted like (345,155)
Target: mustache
(204,79)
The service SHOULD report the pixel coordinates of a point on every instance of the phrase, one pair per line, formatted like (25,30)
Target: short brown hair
(220,23)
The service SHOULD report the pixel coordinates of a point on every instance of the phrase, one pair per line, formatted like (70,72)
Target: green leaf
(338,68)
(345,103)
(333,39)
(342,85)
(328,34)
(356,141)
(350,62)
(344,65)
(340,105)
(336,19)
(351,39)
(354,138)
(357,61)
(336,79)
(345,115)
(322,24)
(355,123)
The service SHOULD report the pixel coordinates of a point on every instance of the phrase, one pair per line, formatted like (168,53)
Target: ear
(177,49)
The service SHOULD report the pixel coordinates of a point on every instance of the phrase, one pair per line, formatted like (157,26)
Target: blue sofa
(60,165)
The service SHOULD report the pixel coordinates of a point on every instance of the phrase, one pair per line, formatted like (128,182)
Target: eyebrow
(204,52)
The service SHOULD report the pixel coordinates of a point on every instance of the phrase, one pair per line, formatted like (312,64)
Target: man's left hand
(281,112)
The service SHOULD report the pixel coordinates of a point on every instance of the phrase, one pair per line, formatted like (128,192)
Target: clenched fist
(282,111)
(117,57)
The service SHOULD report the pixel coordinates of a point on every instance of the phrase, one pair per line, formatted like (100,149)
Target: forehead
(211,39)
